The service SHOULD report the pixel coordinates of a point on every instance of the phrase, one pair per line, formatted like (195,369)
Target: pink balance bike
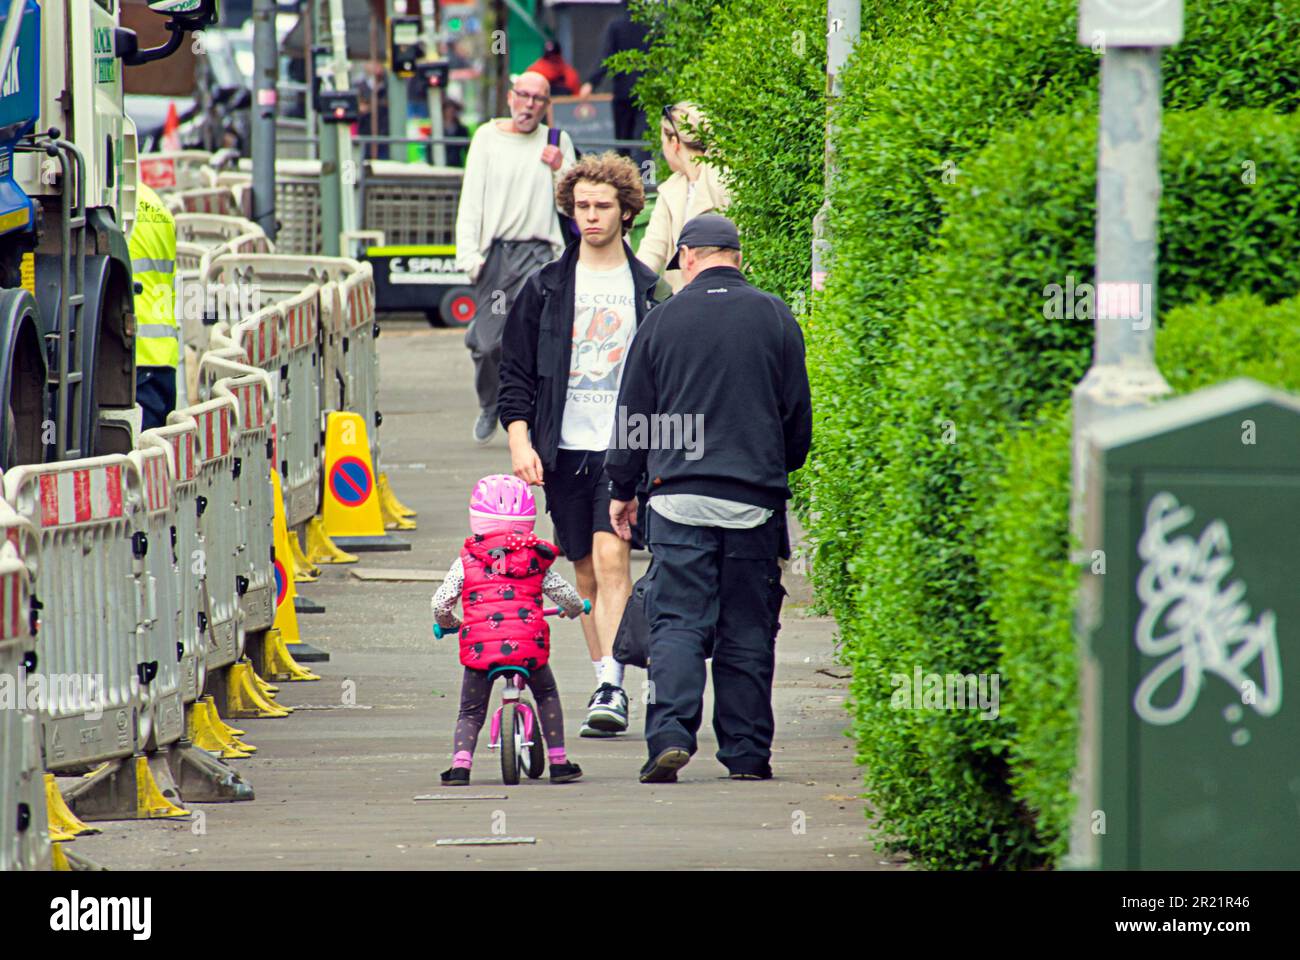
(514,724)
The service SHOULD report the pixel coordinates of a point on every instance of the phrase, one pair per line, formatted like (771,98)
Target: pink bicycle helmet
(502,502)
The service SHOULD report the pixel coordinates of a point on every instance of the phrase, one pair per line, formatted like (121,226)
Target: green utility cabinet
(1190,636)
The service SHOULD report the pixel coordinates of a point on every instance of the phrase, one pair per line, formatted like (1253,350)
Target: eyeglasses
(668,115)
(530,97)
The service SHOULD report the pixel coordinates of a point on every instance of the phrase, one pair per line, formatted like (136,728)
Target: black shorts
(577,498)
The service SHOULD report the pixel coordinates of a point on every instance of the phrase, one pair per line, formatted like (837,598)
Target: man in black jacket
(715,408)
(563,351)
(622,33)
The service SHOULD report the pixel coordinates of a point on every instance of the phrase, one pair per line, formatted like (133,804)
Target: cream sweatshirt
(507,193)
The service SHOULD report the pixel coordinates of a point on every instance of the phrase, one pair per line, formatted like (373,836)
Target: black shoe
(565,772)
(664,767)
(456,777)
(749,775)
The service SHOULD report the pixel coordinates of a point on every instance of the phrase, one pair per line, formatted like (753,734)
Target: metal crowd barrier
(209,229)
(24,830)
(331,363)
(299,416)
(161,718)
(360,357)
(218,200)
(244,365)
(179,441)
(188,256)
(91,638)
(216,505)
(253,393)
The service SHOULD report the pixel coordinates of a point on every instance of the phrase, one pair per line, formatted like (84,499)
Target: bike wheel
(509,753)
(537,752)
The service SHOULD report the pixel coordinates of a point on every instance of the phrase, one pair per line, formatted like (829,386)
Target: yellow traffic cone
(350,505)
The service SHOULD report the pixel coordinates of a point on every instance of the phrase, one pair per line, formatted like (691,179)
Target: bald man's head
(529,96)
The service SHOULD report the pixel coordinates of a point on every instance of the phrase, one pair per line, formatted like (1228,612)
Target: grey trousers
(509,262)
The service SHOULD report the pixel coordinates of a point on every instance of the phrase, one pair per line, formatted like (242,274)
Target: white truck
(67,196)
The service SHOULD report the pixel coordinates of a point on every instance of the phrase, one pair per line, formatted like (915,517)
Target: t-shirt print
(604,320)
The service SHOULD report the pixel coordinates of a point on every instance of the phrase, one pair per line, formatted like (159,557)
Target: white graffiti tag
(1201,625)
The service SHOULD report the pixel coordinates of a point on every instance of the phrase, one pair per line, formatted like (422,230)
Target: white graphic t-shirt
(604,320)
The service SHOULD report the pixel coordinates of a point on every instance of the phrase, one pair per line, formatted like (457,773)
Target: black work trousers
(714,592)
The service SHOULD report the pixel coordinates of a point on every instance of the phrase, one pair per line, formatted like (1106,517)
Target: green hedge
(927,90)
(1032,585)
(974,356)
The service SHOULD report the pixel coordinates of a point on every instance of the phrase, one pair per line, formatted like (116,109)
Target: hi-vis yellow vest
(153,262)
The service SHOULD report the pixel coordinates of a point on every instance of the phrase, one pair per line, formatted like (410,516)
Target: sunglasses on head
(668,115)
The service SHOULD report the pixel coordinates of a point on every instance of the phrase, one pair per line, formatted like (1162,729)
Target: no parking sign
(351,481)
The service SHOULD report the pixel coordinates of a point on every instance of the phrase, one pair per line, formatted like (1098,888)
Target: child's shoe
(456,777)
(565,772)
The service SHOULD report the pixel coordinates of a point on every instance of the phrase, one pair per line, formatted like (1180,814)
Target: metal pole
(843,25)
(346,164)
(330,218)
(1123,376)
(308,40)
(435,94)
(266,79)
(396,85)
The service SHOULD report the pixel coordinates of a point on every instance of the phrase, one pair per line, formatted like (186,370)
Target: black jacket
(621,34)
(537,347)
(716,375)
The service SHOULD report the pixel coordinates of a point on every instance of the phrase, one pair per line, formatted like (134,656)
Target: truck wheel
(457,307)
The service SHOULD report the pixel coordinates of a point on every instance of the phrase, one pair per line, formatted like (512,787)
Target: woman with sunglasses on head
(695,187)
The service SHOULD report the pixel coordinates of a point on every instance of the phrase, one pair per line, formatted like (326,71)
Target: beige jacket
(670,215)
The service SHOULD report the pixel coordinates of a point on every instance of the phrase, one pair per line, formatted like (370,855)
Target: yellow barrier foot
(304,571)
(221,724)
(207,735)
(124,790)
(244,698)
(321,549)
(389,503)
(278,663)
(62,820)
(58,859)
(65,861)
(202,778)
(392,522)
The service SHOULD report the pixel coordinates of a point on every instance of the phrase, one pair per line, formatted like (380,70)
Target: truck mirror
(188,14)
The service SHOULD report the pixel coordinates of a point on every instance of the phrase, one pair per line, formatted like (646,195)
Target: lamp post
(843,25)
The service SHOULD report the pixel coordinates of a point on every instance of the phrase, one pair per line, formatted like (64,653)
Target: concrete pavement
(335,781)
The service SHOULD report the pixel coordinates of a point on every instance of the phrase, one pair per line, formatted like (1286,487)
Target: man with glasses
(507,225)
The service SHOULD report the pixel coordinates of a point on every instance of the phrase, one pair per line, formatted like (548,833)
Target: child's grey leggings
(475,690)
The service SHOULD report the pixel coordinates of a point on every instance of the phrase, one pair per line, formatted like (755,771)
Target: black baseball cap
(706,230)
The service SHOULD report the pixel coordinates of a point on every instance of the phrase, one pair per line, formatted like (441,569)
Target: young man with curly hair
(565,342)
